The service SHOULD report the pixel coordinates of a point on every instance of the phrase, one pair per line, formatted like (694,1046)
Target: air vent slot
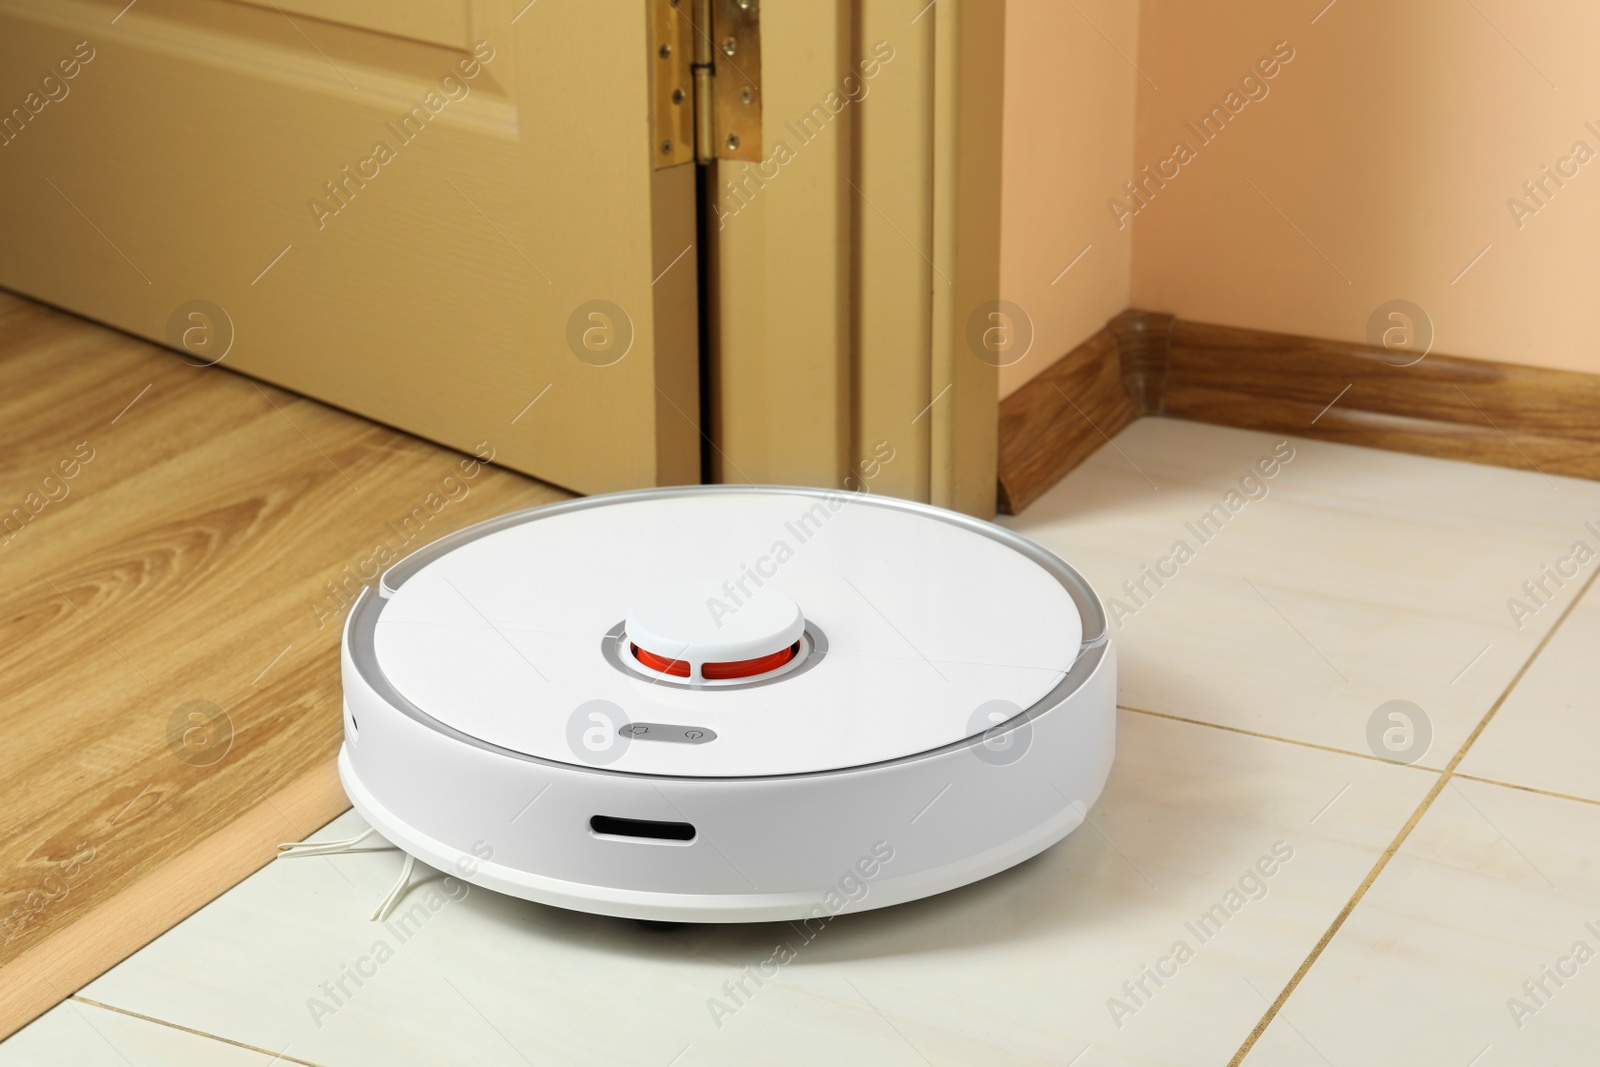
(642,829)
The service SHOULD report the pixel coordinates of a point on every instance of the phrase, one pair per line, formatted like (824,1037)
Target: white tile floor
(1358,578)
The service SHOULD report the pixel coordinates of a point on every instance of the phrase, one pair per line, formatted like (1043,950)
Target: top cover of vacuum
(722,704)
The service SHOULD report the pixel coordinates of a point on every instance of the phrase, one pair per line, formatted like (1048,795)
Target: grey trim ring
(361,628)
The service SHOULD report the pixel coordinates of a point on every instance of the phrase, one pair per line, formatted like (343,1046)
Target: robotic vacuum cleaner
(727,704)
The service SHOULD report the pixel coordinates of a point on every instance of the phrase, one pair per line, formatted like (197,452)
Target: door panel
(456,234)
(781,235)
(893,193)
(848,263)
(969,73)
(443,22)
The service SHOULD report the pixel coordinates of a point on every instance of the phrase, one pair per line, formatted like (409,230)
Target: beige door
(852,260)
(442,214)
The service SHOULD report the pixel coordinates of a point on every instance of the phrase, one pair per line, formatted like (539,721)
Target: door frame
(847,266)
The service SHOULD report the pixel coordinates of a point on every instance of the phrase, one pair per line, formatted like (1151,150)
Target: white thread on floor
(321,848)
(388,903)
(386,906)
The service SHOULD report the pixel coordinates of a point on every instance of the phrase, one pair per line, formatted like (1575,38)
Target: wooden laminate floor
(177,549)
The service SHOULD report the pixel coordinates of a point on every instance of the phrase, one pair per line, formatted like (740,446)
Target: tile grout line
(1358,755)
(1275,737)
(1528,789)
(276,1056)
(1405,832)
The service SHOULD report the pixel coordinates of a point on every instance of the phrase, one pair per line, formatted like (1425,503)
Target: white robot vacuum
(727,704)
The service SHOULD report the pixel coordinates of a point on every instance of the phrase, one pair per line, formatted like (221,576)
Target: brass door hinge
(705,81)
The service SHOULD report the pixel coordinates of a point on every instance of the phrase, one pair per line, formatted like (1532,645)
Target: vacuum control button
(660,731)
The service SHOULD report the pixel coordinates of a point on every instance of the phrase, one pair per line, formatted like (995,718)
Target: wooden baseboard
(1502,414)
(1148,363)
(1063,416)
(51,970)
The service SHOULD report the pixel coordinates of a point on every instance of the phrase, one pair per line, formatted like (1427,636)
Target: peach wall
(1393,140)
(1069,138)
(1378,165)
